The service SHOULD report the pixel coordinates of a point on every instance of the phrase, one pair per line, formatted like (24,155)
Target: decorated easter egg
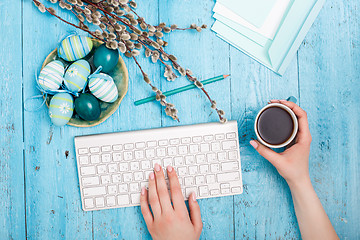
(51,76)
(87,107)
(61,109)
(103,87)
(75,47)
(105,57)
(76,75)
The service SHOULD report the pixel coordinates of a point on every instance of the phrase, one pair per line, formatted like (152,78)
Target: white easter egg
(103,87)
(51,76)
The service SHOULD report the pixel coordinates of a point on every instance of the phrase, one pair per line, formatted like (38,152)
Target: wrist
(300,184)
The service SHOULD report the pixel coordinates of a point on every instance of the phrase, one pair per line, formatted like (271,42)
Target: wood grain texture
(12,208)
(42,181)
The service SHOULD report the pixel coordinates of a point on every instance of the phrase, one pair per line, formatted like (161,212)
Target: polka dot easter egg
(61,109)
(76,75)
(51,76)
(75,47)
(103,87)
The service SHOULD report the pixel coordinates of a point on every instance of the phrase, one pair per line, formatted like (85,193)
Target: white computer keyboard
(114,167)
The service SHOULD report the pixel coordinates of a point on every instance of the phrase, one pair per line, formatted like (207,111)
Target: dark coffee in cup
(275,125)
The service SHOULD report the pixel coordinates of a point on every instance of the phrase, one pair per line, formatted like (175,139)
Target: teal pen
(181,89)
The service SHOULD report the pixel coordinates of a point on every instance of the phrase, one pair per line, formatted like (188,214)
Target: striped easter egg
(76,75)
(51,76)
(103,87)
(61,109)
(75,47)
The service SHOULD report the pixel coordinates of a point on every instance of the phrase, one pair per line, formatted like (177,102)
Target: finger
(270,155)
(153,196)
(175,189)
(145,210)
(162,189)
(304,132)
(195,213)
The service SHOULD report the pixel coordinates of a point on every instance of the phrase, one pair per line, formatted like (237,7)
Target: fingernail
(169,168)
(157,167)
(254,144)
(193,196)
(152,176)
(143,191)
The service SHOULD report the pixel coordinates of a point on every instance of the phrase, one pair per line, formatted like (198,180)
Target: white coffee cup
(295,128)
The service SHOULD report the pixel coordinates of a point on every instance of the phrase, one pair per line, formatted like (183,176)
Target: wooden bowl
(121,79)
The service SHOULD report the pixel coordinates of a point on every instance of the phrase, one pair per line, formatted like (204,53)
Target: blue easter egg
(76,75)
(61,109)
(51,76)
(103,87)
(73,48)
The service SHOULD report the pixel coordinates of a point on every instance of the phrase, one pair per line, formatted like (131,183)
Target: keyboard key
(161,152)
(167,162)
(200,180)
(178,161)
(225,185)
(215,192)
(96,191)
(208,138)
(128,177)
(83,151)
(147,173)
(204,147)
(204,169)
(90,181)
(94,150)
(228,177)
(117,147)
(89,203)
(138,176)
(229,145)
(215,168)
(105,158)
(215,146)
(203,191)
(193,170)
(110,201)
(186,140)
(163,142)
(219,137)
(134,187)
(151,144)
(144,184)
(106,148)
(233,155)
(150,153)
(112,168)
(84,160)
(230,166)
(105,179)
(123,188)
(117,157)
(123,200)
(172,151)
(139,154)
(183,150)
(230,135)
(182,171)
(134,166)
(128,156)
(135,198)
(124,167)
(174,141)
(145,165)
(140,145)
(189,191)
(236,189)
(95,159)
(101,169)
(128,146)
(200,158)
(222,156)
(210,179)
(225,191)
(189,160)
(87,170)
(194,148)
(112,189)
(189,181)
(211,157)
(116,178)
(197,139)
(156,161)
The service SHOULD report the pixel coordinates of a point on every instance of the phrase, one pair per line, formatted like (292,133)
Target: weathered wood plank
(329,87)
(12,201)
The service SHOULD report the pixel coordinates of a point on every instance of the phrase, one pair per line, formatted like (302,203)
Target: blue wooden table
(39,192)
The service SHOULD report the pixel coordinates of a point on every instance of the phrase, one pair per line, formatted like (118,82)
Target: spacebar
(88,192)
(228,177)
